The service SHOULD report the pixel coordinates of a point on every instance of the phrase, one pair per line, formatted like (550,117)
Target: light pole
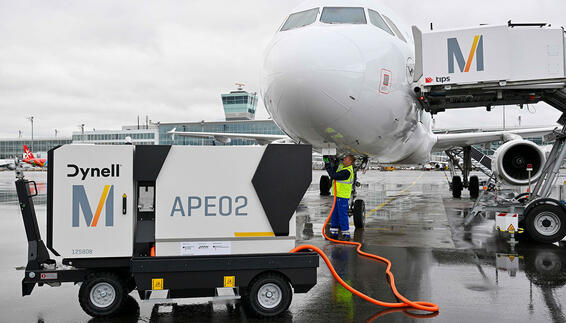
(56,133)
(31,120)
(82,132)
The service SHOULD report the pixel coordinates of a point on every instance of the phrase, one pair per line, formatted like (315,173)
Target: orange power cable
(423,306)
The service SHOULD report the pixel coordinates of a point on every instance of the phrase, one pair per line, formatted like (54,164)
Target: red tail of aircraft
(29,154)
(32,160)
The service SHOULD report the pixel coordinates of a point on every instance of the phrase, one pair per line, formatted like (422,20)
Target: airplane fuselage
(8,164)
(349,85)
(38,162)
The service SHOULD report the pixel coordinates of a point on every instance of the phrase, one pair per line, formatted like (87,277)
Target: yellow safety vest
(344,188)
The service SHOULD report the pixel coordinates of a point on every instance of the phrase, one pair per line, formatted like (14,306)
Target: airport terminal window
(343,15)
(300,19)
(397,31)
(376,20)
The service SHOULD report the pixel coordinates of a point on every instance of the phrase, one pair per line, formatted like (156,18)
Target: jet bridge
(486,66)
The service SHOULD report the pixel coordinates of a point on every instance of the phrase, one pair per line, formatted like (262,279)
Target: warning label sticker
(201,248)
(229,281)
(157,283)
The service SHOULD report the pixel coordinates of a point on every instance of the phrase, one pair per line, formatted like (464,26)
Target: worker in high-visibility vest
(343,177)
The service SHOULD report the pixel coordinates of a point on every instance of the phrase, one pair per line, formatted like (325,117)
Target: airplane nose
(311,78)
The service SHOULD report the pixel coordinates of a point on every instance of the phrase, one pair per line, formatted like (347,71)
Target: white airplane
(8,163)
(341,73)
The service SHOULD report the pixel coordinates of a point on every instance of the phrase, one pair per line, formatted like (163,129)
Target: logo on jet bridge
(81,203)
(454,51)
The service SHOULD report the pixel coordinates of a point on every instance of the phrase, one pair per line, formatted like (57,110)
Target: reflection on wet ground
(401,211)
(471,273)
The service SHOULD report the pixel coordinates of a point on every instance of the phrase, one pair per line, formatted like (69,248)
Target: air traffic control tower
(239,104)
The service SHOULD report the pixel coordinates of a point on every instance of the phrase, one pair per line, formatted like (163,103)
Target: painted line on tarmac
(380,206)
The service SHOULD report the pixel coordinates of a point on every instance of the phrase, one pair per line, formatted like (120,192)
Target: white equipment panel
(507,222)
(206,204)
(493,53)
(91,183)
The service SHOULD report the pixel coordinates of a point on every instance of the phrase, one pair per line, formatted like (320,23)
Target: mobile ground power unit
(177,221)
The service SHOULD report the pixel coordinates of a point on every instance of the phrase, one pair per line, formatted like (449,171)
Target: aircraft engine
(11,166)
(509,163)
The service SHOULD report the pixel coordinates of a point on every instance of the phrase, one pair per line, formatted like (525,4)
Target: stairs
(556,99)
(480,161)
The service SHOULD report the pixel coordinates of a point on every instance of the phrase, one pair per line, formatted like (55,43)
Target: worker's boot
(345,237)
(333,233)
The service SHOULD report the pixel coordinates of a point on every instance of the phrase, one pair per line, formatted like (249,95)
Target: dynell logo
(80,202)
(454,51)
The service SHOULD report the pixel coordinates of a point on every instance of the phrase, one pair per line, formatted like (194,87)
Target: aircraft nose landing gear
(324,185)
(357,206)
(359,214)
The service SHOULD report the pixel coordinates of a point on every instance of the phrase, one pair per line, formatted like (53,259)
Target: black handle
(124,203)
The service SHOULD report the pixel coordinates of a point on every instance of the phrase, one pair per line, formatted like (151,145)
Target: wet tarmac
(472,273)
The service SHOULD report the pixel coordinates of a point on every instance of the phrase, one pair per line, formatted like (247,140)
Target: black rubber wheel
(457,187)
(359,213)
(546,223)
(268,295)
(525,237)
(102,294)
(324,185)
(474,187)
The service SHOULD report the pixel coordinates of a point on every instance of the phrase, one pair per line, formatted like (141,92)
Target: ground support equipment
(542,217)
(140,235)
(500,72)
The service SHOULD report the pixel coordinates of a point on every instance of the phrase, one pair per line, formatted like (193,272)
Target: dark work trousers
(339,218)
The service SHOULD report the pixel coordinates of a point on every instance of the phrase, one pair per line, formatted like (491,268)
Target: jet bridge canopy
(492,65)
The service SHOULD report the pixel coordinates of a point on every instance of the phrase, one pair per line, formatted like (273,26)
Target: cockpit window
(376,20)
(343,15)
(300,19)
(397,31)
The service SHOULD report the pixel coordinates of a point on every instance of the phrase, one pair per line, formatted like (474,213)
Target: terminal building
(239,109)
(145,136)
(14,148)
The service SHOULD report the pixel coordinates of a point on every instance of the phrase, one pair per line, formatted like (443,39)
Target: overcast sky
(103,63)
